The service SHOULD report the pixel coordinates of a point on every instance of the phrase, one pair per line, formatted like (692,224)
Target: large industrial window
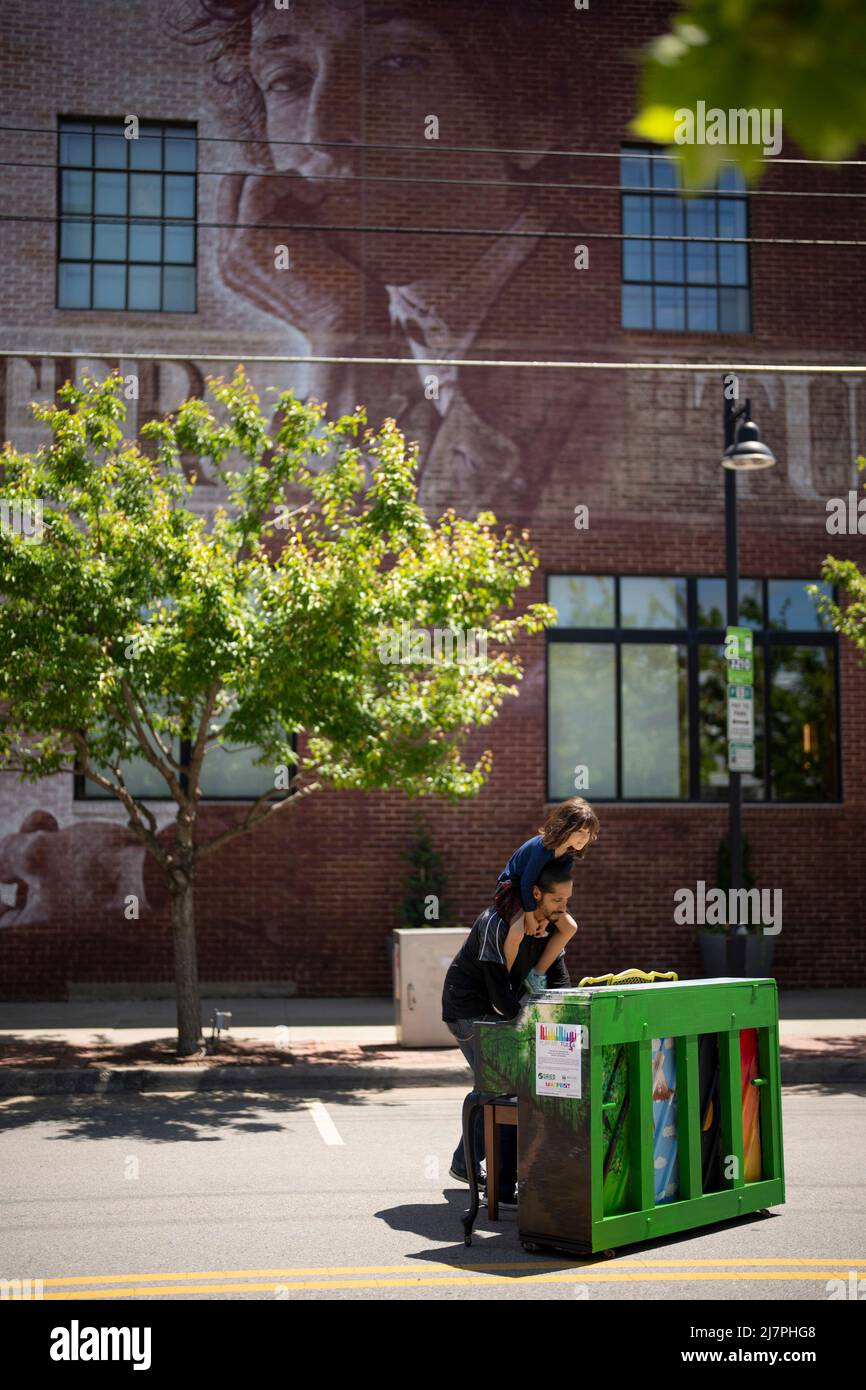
(126,217)
(694,286)
(636,691)
(228,774)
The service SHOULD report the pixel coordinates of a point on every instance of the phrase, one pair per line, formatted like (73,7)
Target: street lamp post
(743,452)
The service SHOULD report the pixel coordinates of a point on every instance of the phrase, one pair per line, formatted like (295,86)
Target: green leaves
(849,619)
(804,58)
(137,623)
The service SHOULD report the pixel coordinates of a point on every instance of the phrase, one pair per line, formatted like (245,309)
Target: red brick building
(431,174)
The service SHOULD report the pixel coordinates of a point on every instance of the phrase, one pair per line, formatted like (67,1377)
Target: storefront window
(637,692)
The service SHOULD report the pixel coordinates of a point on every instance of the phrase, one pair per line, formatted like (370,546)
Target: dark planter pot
(748,956)
(751,955)
(714,954)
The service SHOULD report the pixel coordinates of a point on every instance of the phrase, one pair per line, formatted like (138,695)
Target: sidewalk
(310,1044)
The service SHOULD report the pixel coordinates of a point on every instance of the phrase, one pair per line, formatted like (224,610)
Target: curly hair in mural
(370,130)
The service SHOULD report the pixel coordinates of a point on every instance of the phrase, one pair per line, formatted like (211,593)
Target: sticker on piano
(558,1048)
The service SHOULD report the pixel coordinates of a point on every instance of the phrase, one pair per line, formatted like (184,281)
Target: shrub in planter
(727,950)
(424,903)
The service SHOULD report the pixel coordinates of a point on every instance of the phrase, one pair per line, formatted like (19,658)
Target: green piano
(645,1106)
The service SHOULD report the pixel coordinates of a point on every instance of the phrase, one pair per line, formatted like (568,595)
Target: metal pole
(735,843)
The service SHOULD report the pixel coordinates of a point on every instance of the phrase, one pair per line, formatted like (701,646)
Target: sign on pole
(739,662)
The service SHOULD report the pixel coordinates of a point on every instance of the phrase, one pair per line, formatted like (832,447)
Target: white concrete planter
(421,957)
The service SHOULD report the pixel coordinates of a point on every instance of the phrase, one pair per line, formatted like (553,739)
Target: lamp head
(748,452)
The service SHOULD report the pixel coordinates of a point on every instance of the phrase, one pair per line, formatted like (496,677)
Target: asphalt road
(168,1196)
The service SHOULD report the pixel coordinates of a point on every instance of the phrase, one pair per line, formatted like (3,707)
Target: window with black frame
(636,690)
(126,236)
(698,286)
(229,773)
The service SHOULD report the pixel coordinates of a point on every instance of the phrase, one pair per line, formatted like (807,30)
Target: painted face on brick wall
(333,73)
(321,81)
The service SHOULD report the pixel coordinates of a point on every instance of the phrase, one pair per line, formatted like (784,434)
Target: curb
(23,1081)
(823,1071)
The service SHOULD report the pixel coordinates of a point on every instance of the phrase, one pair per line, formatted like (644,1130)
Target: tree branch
(126,797)
(163,769)
(145,834)
(252,819)
(159,743)
(119,714)
(198,751)
(21,767)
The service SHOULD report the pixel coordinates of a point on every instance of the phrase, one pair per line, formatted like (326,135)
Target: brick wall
(311,897)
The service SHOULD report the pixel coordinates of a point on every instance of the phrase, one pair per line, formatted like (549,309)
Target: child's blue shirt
(523,869)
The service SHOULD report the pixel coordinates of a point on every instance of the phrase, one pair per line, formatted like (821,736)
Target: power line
(740,194)
(113,218)
(776,368)
(418,149)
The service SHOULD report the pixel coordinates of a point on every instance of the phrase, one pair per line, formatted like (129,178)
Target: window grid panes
(127,215)
(688,286)
(637,693)
(228,773)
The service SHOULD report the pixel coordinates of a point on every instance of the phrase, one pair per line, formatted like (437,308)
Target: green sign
(739,658)
(739,655)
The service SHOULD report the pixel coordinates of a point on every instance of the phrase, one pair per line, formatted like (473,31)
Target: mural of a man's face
(352,73)
(334,100)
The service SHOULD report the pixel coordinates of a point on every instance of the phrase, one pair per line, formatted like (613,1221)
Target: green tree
(131,625)
(425,880)
(805,58)
(849,620)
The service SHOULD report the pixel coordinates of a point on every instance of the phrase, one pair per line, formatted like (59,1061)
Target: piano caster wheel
(608,1254)
(530,1247)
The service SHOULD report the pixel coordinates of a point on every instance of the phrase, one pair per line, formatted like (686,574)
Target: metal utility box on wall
(642,1109)
(421,957)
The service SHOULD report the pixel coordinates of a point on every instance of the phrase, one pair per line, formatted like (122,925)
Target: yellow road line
(578,1277)
(446,1268)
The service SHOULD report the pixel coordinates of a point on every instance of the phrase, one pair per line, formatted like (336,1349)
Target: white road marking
(323,1122)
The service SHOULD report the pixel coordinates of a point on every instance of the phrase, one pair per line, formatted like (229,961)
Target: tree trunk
(189,1034)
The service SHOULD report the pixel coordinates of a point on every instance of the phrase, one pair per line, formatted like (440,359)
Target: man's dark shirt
(478,982)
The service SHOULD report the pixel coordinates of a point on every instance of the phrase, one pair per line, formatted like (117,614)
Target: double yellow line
(293,1279)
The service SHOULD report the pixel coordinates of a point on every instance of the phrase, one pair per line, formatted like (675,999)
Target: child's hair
(571,815)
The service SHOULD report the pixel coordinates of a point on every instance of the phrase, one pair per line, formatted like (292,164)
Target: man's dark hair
(557,871)
(494,39)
